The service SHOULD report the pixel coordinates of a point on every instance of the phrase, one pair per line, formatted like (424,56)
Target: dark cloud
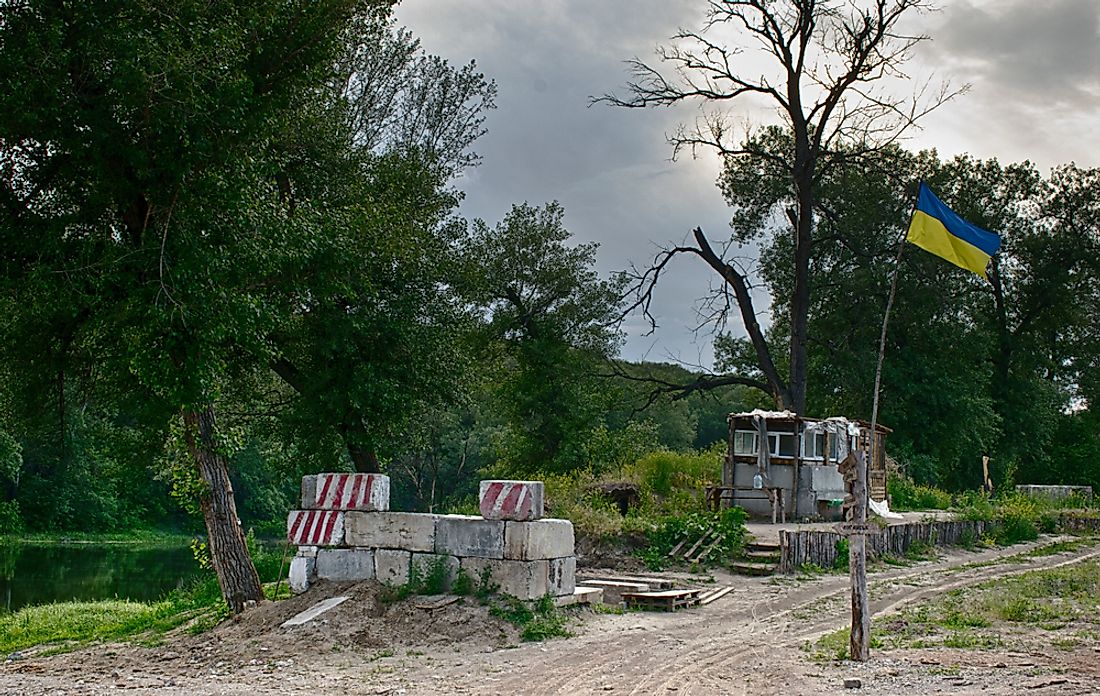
(1040,53)
(609,167)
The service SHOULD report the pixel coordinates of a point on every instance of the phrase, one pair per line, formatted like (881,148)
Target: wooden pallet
(654,583)
(662,600)
(694,549)
(714,595)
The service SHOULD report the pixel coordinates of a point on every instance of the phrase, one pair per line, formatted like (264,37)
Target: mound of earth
(366,622)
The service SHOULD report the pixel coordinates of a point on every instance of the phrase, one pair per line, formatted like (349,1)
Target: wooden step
(754,569)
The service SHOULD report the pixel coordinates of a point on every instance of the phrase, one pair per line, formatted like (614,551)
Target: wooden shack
(795,475)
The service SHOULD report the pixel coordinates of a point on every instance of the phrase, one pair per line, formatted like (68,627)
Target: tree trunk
(800,297)
(365,460)
(240,584)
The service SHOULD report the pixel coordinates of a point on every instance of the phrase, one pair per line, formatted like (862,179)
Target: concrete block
(392,567)
(307,551)
(561,577)
(408,531)
(522,579)
(315,527)
(465,535)
(423,563)
(345,565)
(303,571)
(346,492)
(533,541)
(511,500)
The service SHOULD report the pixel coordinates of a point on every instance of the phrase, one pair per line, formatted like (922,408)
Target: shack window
(814,446)
(744,442)
(782,444)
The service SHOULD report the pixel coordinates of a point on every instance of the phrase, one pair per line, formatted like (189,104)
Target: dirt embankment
(749,642)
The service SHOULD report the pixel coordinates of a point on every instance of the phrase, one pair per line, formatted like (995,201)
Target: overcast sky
(1033,67)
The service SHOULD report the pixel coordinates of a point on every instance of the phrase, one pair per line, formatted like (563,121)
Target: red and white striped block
(367,492)
(315,527)
(511,500)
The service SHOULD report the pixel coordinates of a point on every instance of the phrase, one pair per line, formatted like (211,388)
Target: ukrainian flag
(938,230)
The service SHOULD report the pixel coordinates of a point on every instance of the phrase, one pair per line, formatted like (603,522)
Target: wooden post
(859,645)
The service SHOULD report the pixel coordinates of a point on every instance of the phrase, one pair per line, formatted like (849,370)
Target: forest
(232,255)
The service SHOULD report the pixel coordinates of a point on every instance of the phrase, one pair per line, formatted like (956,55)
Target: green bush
(662,472)
(665,533)
(1017,520)
(537,622)
(842,554)
(906,495)
(11,521)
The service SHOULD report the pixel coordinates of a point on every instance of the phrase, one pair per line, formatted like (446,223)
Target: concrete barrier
(303,571)
(466,535)
(511,500)
(532,541)
(368,492)
(347,534)
(345,565)
(315,527)
(409,531)
(391,566)
(524,579)
(561,577)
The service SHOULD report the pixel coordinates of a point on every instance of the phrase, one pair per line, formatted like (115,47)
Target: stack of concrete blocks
(346,532)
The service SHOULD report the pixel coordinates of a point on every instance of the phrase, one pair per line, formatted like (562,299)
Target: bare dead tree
(835,62)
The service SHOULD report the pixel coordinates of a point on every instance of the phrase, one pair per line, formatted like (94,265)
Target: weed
(537,622)
(463,584)
(666,532)
(842,552)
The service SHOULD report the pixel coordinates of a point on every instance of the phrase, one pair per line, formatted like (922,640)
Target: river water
(44,573)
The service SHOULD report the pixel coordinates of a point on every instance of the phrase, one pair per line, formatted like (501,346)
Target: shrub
(906,495)
(841,560)
(1017,520)
(666,532)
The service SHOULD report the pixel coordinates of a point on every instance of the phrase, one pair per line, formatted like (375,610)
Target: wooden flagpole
(859,644)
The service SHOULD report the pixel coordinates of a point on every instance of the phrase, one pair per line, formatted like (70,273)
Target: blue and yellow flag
(938,230)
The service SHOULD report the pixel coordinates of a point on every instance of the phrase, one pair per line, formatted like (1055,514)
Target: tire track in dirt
(699,652)
(702,663)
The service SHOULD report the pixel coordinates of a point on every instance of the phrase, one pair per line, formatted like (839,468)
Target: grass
(68,625)
(988,615)
(537,622)
(137,537)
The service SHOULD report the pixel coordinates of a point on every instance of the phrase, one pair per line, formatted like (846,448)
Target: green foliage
(11,521)
(906,495)
(463,584)
(538,622)
(70,625)
(664,533)
(841,561)
(662,473)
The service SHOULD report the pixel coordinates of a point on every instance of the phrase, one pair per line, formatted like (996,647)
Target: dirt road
(749,642)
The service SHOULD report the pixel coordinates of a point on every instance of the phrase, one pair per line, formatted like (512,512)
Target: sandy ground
(749,642)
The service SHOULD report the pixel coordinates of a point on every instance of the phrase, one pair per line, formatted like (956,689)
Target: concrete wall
(1055,492)
(525,556)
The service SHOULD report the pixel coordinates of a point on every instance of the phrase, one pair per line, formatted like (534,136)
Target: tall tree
(137,203)
(371,331)
(549,327)
(833,65)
